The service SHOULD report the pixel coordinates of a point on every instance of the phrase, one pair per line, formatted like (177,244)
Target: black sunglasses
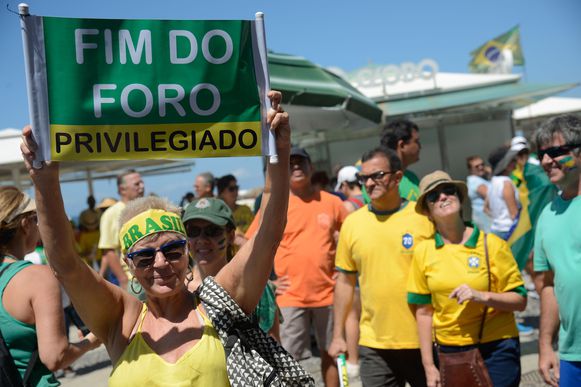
(556,151)
(172,251)
(233,188)
(211,231)
(448,190)
(376,176)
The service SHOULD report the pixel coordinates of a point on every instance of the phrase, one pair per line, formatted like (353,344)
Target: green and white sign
(134,89)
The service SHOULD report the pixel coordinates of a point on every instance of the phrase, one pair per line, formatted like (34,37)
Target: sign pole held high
(263,53)
(35,82)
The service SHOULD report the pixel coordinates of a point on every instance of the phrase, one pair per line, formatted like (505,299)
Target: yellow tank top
(203,365)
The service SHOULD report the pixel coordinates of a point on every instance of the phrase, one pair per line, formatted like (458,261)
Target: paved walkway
(93,368)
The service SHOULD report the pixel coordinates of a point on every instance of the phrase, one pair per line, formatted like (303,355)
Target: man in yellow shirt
(130,186)
(376,245)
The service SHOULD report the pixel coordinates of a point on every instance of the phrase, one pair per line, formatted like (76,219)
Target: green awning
(304,83)
(508,96)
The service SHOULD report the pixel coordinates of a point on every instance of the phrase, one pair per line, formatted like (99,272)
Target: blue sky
(345,34)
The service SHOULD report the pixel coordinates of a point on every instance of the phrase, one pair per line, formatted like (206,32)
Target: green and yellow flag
(490,53)
(535,192)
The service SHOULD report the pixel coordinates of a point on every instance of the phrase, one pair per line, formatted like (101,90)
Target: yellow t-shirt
(439,268)
(202,365)
(243,217)
(379,249)
(109,227)
(109,230)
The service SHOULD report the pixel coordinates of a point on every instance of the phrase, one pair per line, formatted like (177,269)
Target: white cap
(519,143)
(348,174)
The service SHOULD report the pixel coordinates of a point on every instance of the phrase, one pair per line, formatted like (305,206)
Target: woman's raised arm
(99,303)
(244,278)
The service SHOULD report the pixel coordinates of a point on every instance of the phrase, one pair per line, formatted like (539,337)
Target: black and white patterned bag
(252,357)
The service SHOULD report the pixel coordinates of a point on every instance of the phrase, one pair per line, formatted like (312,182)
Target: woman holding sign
(172,338)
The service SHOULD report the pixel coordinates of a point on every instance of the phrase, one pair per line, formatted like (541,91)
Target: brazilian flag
(490,52)
(535,191)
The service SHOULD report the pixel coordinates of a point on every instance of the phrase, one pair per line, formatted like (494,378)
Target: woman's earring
(190,276)
(132,286)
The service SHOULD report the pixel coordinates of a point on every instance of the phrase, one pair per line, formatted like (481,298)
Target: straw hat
(431,182)
(106,203)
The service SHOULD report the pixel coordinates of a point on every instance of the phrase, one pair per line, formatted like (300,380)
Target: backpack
(253,358)
(9,375)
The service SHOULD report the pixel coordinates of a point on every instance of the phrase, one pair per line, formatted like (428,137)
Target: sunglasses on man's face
(556,151)
(376,176)
(233,188)
(211,231)
(172,251)
(447,190)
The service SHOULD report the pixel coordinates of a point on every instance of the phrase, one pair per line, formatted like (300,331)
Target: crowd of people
(375,263)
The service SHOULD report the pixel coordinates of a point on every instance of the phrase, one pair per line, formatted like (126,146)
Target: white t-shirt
(501,220)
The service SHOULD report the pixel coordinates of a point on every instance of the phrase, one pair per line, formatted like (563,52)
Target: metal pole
(16,178)
(35,76)
(263,53)
(90,183)
(443,147)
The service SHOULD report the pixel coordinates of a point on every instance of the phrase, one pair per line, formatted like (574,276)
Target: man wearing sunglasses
(557,251)
(376,244)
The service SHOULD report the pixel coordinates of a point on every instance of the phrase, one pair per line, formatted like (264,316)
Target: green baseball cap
(211,209)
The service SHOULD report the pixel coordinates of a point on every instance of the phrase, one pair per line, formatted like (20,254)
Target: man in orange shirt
(305,265)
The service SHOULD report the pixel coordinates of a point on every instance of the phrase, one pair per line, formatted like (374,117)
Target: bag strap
(483,319)
(31,364)
(33,356)
(489,287)
(356,201)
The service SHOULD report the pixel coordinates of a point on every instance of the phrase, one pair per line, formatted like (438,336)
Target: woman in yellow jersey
(448,285)
(168,340)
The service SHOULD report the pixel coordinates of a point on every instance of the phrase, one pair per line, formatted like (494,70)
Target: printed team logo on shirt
(407,241)
(473,262)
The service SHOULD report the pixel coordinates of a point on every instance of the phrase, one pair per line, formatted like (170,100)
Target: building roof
(548,107)
(509,96)
(442,82)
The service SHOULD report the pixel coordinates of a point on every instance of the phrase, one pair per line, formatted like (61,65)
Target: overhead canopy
(318,99)
(506,96)
(12,170)
(548,107)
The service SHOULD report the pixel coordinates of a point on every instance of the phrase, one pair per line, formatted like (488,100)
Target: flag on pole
(102,89)
(535,192)
(503,48)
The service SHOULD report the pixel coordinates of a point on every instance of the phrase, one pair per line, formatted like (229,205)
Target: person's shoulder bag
(467,368)
(253,358)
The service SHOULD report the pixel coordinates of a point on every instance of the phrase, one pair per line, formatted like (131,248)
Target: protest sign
(133,89)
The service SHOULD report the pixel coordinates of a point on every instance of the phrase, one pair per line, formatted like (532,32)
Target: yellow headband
(147,223)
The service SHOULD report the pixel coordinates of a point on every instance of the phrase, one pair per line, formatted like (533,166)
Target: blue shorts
(502,358)
(570,373)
